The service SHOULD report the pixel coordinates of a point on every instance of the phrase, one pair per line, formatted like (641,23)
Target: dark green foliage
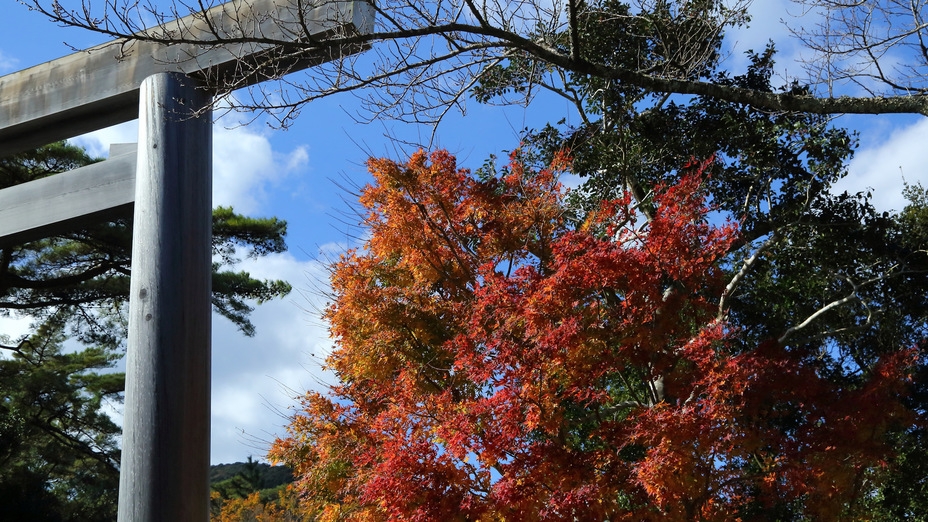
(36,164)
(59,458)
(238,480)
(263,475)
(903,491)
(262,236)
(231,290)
(662,39)
(767,168)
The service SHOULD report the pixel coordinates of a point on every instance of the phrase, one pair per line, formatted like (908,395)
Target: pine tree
(59,454)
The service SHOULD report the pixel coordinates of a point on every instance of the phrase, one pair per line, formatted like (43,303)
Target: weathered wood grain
(165,448)
(69,200)
(98,87)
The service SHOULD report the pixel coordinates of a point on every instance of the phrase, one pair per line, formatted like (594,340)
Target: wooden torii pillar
(168,182)
(166,419)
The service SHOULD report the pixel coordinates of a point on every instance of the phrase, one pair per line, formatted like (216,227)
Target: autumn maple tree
(498,361)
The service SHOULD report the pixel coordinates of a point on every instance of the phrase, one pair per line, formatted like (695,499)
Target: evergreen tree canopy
(59,453)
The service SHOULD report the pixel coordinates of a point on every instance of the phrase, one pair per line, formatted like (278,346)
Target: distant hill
(264,475)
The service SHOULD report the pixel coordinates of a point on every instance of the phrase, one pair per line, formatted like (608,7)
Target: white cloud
(14,327)
(882,168)
(245,165)
(256,380)
(7,63)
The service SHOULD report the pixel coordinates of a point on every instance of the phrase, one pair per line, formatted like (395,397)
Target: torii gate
(168,180)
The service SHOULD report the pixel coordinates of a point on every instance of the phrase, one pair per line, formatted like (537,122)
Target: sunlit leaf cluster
(497,362)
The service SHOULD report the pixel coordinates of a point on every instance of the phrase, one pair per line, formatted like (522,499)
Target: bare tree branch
(849,298)
(425,57)
(742,272)
(876,46)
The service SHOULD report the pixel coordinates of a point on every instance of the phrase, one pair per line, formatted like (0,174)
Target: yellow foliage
(286,508)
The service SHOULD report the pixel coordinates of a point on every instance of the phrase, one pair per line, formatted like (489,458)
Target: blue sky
(292,174)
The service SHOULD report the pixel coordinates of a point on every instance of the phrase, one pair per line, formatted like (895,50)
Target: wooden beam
(99,87)
(164,472)
(70,200)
